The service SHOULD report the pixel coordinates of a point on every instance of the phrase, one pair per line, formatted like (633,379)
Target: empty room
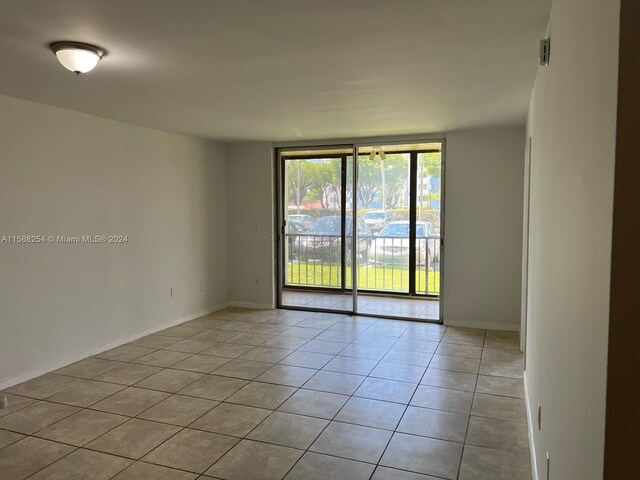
(311,240)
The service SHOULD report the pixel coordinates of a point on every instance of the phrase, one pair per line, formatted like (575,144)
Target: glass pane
(429,183)
(313,228)
(383,220)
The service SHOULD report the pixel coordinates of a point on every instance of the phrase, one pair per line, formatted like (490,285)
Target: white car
(391,246)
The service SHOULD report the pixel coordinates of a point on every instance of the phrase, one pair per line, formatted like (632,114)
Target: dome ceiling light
(77,57)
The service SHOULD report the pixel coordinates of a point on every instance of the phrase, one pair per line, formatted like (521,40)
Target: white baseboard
(23,377)
(259,306)
(530,422)
(511,327)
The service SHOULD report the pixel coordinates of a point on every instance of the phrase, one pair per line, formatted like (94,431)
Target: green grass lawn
(370,277)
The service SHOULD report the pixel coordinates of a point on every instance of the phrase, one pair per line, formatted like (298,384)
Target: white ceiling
(281,69)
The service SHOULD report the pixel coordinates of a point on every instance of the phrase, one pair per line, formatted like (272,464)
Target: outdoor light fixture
(77,57)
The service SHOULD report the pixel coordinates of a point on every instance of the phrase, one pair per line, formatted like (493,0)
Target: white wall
(250,227)
(572,124)
(484,189)
(65,173)
(483,227)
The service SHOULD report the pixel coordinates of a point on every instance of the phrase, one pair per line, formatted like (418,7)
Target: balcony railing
(383,263)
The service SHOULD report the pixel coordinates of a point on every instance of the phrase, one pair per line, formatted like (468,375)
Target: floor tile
(302,332)
(214,387)
(169,380)
(82,427)
(214,335)
(498,434)
(15,403)
(335,382)
(190,345)
(124,353)
(134,439)
(27,456)
(424,455)
(355,442)
(244,369)
(7,438)
(162,358)
(131,401)
(315,466)
(86,393)
(182,331)
(191,450)
(410,357)
(386,473)
(505,343)
(227,350)
(501,369)
(502,355)
(83,464)
(375,340)
(250,460)
(128,374)
(398,371)
(87,368)
(154,341)
(36,417)
(289,430)
(262,395)
(480,463)
(456,350)
(307,359)
(287,375)
(447,379)
(434,423)
(388,390)
(507,387)
(178,410)
(359,350)
(201,363)
(455,364)
(443,399)
(356,366)
(287,343)
(504,408)
(266,354)
(463,339)
(231,419)
(314,404)
(324,346)
(371,413)
(249,338)
(44,386)
(141,470)
(416,344)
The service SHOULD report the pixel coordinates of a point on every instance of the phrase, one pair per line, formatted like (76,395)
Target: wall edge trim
(36,372)
(532,446)
(511,327)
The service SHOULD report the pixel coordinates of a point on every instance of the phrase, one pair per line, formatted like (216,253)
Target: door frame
(355,145)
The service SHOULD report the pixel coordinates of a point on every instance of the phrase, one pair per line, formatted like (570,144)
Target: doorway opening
(374,223)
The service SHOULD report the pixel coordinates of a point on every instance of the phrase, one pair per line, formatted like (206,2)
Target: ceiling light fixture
(379,151)
(77,57)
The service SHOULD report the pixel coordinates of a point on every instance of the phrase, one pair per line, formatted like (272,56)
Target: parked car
(391,246)
(377,219)
(297,223)
(323,240)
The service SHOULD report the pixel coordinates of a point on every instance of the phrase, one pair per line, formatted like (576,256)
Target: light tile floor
(418,308)
(243,395)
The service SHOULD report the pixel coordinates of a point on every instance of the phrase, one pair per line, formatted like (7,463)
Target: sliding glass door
(380,217)
(316,229)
